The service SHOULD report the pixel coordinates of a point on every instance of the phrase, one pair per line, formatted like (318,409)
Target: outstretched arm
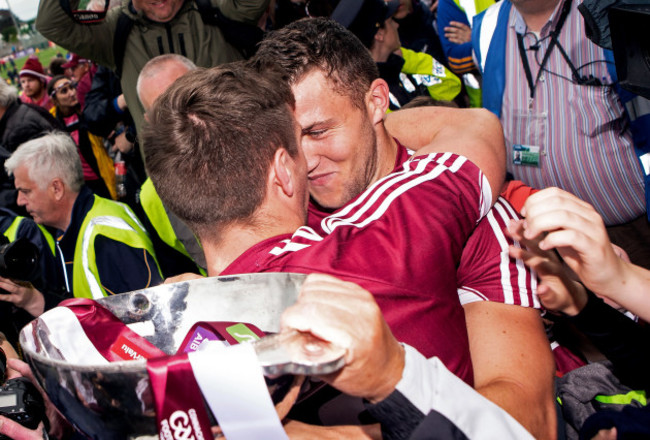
(91,41)
(577,232)
(474,133)
(513,363)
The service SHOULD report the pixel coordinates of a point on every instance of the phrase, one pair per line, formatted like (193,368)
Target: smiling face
(160,11)
(337,138)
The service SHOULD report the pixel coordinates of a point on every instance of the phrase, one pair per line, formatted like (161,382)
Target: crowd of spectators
(468,173)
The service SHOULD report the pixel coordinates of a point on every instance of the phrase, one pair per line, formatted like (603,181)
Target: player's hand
(458,32)
(557,291)
(577,231)
(347,315)
(22,295)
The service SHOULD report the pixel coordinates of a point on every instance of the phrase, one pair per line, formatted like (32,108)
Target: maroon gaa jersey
(486,271)
(402,240)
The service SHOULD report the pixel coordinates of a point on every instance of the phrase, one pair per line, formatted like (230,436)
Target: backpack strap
(122,31)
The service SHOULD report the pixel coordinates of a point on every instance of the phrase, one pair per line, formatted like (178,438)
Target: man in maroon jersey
(340,105)
(224,157)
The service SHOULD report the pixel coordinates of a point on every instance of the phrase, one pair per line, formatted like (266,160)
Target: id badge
(525,155)
(528,137)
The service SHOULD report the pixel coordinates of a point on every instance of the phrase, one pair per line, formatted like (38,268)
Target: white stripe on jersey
(304,232)
(523,273)
(380,187)
(505,212)
(308,233)
(467,295)
(505,259)
(289,246)
(486,191)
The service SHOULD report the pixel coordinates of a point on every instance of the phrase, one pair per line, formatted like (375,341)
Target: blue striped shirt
(584,138)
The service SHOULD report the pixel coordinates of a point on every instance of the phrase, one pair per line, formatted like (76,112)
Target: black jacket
(20,123)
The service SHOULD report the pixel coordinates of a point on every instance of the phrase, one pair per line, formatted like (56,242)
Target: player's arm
(513,363)
(474,133)
(394,378)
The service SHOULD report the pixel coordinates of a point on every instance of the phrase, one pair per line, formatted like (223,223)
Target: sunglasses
(64,88)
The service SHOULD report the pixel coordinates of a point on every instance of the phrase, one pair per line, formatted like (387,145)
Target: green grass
(44,56)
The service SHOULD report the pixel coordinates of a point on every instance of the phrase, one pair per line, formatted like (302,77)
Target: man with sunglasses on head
(564,115)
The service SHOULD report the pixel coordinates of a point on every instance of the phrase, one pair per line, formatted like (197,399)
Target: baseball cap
(75,60)
(364,17)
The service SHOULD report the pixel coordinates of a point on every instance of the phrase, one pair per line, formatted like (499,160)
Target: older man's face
(160,11)
(39,202)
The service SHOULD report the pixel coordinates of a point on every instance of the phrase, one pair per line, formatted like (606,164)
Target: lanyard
(566,7)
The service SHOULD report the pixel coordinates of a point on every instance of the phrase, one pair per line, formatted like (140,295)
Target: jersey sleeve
(487,272)
(424,186)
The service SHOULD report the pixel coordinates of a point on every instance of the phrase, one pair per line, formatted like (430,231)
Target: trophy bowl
(115,400)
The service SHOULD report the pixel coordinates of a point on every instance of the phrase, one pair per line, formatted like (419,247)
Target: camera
(18,259)
(20,400)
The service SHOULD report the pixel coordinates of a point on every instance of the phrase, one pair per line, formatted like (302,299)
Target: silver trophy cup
(115,400)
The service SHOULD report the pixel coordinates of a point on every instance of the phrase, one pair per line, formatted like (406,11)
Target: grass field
(44,56)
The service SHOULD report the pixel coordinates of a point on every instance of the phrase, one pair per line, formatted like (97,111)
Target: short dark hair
(324,44)
(210,141)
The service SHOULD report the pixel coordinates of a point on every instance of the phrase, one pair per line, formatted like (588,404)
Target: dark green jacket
(185,34)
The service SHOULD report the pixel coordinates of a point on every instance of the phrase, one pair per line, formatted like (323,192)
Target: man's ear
(378,100)
(282,172)
(58,189)
(381,34)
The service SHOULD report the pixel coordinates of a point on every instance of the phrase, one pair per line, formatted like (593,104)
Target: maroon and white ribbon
(180,411)
(110,336)
(230,379)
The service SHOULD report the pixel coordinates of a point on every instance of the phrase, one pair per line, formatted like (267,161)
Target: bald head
(158,74)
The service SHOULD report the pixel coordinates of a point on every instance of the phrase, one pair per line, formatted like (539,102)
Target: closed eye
(314,133)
